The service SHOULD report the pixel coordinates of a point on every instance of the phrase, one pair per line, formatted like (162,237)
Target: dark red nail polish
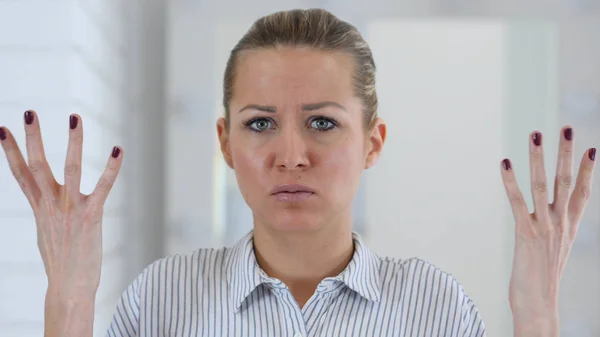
(569,134)
(592,154)
(28,117)
(73,122)
(506,164)
(537,139)
(116,151)
(2,134)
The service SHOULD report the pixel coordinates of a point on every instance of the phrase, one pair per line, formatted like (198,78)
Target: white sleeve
(126,319)
(471,324)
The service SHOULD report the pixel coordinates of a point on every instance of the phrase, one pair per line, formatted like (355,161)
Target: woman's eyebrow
(258,107)
(305,107)
(319,105)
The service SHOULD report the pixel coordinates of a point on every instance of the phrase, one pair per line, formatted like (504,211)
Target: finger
(515,197)
(36,157)
(583,188)
(18,166)
(563,183)
(539,184)
(73,161)
(108,178)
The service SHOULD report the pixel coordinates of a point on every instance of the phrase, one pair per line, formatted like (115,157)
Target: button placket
(294,310)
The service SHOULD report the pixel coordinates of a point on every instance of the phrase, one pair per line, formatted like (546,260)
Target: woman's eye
(264,124)
(260,124)
(322,124)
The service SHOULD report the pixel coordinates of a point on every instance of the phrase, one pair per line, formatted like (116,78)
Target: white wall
(437,192)
(190,129)
(59,58)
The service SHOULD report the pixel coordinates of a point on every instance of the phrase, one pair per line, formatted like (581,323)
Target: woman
(300,127)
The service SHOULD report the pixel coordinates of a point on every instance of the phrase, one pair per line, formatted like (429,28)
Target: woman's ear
(375,141)
(223,134)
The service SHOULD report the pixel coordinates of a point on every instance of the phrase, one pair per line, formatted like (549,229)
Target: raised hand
(544,238)
(69,223)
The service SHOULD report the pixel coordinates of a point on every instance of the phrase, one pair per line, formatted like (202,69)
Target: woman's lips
(292,192)
(293,196)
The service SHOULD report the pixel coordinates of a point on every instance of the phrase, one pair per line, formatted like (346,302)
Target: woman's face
(297,140)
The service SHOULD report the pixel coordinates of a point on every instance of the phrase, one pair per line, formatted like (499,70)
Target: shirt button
(298,334)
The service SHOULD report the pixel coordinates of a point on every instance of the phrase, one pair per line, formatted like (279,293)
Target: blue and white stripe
(217,293)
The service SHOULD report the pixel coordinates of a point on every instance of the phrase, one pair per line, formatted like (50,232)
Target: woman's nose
(291,150)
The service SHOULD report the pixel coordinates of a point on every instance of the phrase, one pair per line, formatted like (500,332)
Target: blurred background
(461,83)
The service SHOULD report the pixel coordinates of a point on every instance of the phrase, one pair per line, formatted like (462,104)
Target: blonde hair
(316,28)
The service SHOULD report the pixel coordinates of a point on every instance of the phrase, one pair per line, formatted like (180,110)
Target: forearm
(69,315)
(540,326)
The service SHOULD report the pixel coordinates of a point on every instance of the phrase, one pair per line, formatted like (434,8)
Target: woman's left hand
(543,239)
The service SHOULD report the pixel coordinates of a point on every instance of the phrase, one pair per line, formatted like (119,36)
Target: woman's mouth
(292,192)
(293,196)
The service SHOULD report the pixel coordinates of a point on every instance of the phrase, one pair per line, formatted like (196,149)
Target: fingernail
(506,164)
(73,122)
(2,134)
(592,154)
(28,117)
(116,151)
(569,134)
(537,139)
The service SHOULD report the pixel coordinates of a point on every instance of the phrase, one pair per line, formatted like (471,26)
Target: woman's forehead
(288,74)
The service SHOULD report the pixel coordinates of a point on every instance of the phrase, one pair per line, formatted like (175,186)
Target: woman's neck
(302,260)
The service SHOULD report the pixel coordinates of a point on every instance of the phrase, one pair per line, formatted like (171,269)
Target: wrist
(70,294)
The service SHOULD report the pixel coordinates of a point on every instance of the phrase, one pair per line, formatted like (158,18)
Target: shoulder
(171,277)
(420,285)
(418,273)
(194,265)
(168,279)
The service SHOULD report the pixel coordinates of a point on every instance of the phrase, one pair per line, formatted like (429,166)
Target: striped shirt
(224,292)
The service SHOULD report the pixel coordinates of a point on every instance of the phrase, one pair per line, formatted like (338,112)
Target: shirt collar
(244,274)
(362,273)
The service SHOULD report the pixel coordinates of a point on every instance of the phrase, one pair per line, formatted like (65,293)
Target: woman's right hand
(69,223)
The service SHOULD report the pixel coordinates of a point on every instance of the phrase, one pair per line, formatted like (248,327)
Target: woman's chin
(290,222)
